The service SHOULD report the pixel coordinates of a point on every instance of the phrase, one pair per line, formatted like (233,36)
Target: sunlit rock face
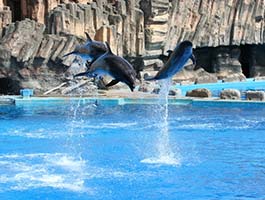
(163,23)
(228,36)
(222,27)
(32,58)
(5,15)
(121,24)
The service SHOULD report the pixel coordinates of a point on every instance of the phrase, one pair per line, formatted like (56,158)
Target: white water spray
(164,154)
(75,133)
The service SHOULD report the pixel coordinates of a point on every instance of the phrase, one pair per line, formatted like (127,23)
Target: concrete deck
(203,102)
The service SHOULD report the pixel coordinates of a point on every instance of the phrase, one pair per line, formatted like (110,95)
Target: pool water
(82,150)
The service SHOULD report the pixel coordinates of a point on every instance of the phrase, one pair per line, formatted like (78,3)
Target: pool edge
(124,101)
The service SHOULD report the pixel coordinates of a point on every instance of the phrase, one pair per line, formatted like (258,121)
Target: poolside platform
(196,102)
(124,96)
(7,101)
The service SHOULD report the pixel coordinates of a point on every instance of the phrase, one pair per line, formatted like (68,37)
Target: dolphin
(165,58)
(116,67)
(90,50)
(176,61)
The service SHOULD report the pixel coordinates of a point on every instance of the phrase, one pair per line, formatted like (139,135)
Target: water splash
(75,121)
(27,171)
(165,154)
(73,134)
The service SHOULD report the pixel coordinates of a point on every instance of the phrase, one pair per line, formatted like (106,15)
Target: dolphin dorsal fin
(108,48)
(88,37)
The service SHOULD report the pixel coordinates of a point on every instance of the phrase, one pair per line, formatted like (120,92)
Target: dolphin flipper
(89,63)
(131,86)
(86,73)
(81,74)
(113,82)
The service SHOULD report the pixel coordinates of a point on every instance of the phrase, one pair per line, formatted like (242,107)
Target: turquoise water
(83,150)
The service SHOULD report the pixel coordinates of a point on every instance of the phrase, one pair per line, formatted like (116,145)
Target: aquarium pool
(94,150)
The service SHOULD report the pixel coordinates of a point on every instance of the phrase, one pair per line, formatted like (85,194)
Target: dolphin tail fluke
(113,82)
(108,48)
(165,58)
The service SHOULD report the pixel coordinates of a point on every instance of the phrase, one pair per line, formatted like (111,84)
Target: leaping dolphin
(109,64)
(90,50)
(177,59)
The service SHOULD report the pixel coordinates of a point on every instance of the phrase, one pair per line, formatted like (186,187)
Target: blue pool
(109,150)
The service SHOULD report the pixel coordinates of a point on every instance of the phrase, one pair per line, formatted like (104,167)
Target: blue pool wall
(216,88)
(36,101)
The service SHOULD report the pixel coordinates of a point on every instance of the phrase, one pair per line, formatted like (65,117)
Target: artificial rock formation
(228,36)
(255,95)
(30,59)
(118,23)
(232,94)
(227,25)
(207,23)
(200,93)
(216,23)
(5,16)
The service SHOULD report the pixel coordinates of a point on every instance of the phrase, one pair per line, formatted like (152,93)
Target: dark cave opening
(15,6)
(204,58)
(245,59)
(9,86)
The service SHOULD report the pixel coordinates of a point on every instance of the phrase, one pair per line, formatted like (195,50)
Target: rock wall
(228,35)
(227,25)
(120,23)
(256,60)
(5,16)
(163,23)
(216,23)
(222,60)
(32,59)
(37,10)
